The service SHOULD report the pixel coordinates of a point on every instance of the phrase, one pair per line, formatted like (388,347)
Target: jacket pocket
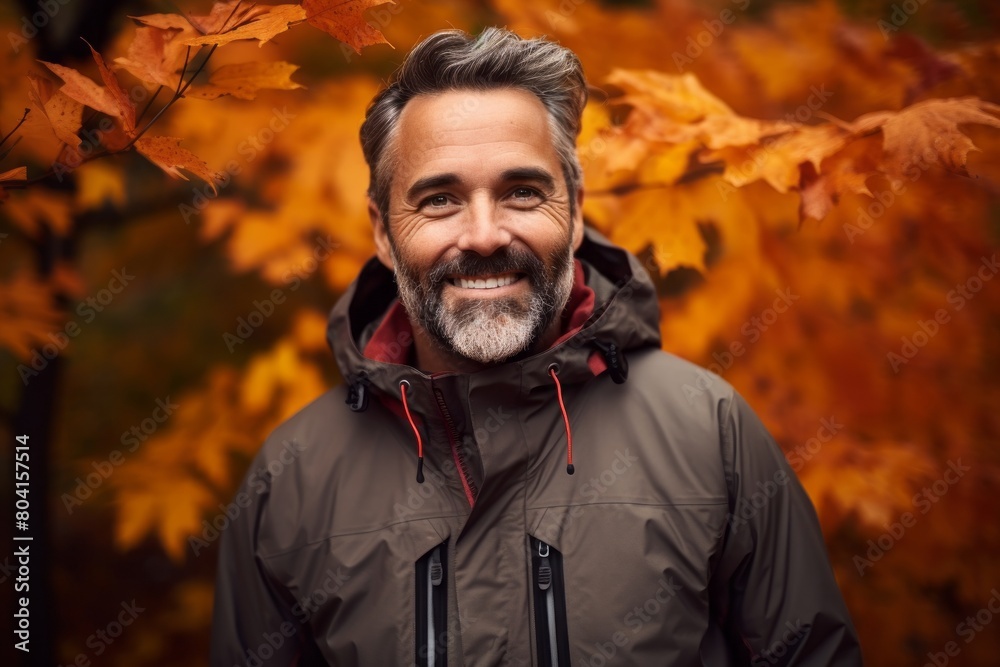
(549,595)
(432,608)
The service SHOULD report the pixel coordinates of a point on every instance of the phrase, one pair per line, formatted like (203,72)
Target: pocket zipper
(552,638)
(432,608)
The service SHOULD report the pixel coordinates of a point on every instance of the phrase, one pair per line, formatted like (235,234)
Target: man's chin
(491,340)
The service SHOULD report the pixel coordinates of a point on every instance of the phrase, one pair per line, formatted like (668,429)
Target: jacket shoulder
(317,423)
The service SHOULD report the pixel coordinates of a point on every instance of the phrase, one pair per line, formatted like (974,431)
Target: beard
(495,329)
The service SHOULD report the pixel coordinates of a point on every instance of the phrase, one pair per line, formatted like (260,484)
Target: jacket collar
(613,301)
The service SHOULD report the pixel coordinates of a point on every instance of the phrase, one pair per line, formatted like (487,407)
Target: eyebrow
(533,174)
(430,182)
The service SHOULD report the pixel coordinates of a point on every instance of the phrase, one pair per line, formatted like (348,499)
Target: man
(514,474)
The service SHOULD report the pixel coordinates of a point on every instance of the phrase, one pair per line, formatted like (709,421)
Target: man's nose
(483,231)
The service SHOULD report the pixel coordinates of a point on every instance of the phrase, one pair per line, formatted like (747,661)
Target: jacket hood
(617,306)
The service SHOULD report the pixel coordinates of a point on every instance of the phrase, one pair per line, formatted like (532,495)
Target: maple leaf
(28,313)
(164,22)
(345,20)
(263,24)
(15,174)
(243,80)
(63,113)
(124,106)
(173,482)
(156,54)
(84,90)
(36,208)
(167,154)
(227,15)
(927,132)
(98,183)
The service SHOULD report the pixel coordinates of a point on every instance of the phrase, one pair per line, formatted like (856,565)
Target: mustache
(506,260)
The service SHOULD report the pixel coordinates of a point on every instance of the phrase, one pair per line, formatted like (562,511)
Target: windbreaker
(682,538)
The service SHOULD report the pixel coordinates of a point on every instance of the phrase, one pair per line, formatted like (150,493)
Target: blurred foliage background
(199,314)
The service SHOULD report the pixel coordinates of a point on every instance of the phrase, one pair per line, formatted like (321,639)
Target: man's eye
(524,193)
(436,201)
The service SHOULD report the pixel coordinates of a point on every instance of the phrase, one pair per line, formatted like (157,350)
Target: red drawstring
(569,434)
(420,442)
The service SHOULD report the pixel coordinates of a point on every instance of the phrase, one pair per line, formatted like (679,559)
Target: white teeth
(486,283)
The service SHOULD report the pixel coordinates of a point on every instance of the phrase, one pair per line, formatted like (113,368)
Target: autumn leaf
(927,132)
(63,113)
(84,90)
(15,174)
(159,495)
(345,20)
(28,313)
(156,54)
(227,15)
(99,183)
(165,22)
(37,208)
(167,154)
(243,80)
(124,106)
(263,24)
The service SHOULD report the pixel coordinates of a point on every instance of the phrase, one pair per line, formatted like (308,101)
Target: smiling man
(434,513)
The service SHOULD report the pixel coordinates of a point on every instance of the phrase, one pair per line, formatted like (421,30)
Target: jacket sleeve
(773,585)
(254,622)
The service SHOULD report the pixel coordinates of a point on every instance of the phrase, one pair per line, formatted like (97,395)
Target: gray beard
(494,330)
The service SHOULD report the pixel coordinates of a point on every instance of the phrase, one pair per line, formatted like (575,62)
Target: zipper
(432,609)
(549,595)
(460,462)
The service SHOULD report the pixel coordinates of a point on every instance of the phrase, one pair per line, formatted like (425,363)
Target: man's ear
(578,220)
(382,246)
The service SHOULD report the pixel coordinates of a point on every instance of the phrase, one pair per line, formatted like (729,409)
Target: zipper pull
(437,572)
(544,569)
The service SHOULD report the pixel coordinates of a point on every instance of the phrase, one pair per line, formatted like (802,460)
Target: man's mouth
(485,281)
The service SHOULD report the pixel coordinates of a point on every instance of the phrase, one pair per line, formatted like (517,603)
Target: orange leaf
(262,26)
(345,20)
(84,90)
(28,313)
(243,80)
(125,108)
(38,207)
(156,55)
(164,21)
(166,153)
(15,174)
(63,113)
(226,16)
(927,132)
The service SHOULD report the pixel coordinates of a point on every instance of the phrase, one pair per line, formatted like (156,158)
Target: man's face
(480,232)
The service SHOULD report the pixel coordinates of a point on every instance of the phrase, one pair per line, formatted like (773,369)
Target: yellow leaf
(97,183)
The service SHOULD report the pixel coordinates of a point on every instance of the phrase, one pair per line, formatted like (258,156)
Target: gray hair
(452,60)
